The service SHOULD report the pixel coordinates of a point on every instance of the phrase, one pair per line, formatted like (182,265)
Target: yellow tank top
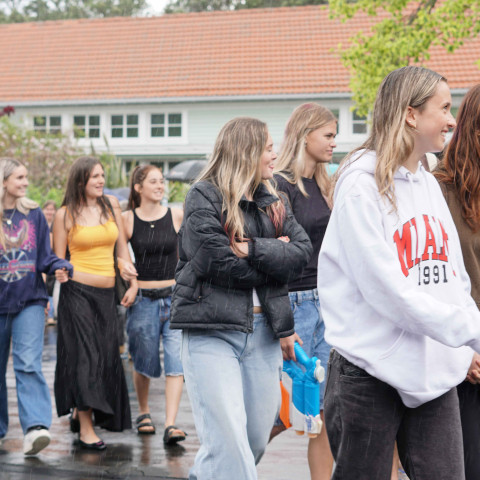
(91,248)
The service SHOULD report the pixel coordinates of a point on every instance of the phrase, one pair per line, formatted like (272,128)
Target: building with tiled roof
(160,88)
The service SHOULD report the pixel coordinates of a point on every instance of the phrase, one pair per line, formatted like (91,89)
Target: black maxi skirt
(89,371)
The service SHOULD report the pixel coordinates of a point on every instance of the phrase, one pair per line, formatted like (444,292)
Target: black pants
(469,399)
(364,416)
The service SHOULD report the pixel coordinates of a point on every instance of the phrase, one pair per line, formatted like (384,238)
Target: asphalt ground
(128,455)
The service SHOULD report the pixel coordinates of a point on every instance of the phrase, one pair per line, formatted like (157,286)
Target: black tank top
(155,245)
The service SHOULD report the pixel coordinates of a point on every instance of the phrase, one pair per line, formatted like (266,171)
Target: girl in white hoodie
(395,295)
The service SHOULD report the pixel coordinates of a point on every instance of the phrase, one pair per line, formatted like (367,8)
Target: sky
(157,6)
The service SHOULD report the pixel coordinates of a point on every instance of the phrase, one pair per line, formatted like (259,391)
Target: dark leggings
(469,399)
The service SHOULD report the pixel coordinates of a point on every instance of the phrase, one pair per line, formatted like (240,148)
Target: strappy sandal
(141,424)
(171,438)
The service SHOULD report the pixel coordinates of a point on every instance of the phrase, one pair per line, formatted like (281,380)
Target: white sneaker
(35,440)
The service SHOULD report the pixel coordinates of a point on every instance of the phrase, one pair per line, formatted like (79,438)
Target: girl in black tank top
(152,231)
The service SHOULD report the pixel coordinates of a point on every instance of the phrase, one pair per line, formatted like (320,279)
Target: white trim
(164,100)
(210,99)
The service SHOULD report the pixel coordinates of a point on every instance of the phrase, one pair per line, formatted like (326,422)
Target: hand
(473,375)
(61,275)
(241,249)
(127,270)
(284,239)
(129,296)
(287,345)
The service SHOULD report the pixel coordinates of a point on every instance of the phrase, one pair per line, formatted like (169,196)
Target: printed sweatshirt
(394,292)
(27,256)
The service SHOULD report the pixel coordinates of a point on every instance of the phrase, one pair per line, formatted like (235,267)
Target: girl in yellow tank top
(91,248)
(89,378)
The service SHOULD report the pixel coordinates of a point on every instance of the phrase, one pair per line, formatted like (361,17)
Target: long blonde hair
(234,168)
(22,204)
(290,163)
(391,137)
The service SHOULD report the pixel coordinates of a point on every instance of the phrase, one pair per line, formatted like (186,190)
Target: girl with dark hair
(25,254)
(306,150)
(239,247)
(395,295)
(459,177)
(89,376)
(152,231)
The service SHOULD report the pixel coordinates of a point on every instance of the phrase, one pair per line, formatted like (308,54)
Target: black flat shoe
(74,424)
(100,445)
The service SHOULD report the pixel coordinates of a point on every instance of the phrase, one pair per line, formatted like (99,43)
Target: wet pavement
(128,456)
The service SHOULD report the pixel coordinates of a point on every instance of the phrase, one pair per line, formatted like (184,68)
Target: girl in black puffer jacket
(239,246)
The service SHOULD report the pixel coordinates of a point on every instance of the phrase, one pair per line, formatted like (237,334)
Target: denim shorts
(147,320)
(310,328)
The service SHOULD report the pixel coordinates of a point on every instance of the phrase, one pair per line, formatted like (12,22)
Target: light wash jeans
(232,380)
(25,329)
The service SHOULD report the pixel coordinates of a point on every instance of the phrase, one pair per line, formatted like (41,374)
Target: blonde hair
(290,163)
(22,204)
(391,137)
(234,168)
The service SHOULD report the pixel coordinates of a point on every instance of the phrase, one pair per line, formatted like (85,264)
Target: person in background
(89,377)
(25,253)
(49,208)
(395,295)
(239,247)
(459,177)
(302,175)
(152,230)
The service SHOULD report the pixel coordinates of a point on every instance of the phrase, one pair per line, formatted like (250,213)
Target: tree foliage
(14,11)
(183,6)
(47,157)
(402,37)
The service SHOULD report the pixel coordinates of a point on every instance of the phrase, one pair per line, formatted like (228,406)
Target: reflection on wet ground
(128,456)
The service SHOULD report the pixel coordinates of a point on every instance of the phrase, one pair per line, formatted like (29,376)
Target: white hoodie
(394,293)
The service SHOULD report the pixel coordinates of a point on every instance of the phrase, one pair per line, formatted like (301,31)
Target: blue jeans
(232,380)
(147,320)
(310,328)
(25,329)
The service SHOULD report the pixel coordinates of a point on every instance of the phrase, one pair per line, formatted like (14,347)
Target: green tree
(181,6)
(14,11)
(402,37)
(47,158)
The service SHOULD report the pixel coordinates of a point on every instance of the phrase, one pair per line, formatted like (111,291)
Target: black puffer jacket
(214,286)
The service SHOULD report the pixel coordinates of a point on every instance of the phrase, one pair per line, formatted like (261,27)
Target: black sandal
(169,438)
(141,424)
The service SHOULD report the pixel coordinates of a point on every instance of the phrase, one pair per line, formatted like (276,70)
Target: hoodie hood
(366,161)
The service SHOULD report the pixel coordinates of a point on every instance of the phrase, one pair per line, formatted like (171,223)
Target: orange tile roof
(246,52)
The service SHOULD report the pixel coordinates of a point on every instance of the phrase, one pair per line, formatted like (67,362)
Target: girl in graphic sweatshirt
(395,295)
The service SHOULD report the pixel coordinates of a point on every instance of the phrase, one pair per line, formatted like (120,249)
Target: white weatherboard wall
(201,122)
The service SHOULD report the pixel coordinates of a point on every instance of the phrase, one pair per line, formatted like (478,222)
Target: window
(336,113)
(124,125)
(359,123)
(87,126)
(166,125)
(50,124)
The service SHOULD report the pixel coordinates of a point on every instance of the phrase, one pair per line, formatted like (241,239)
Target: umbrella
(186,171)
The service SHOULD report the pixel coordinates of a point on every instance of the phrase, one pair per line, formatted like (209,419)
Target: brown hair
(461,163)
(139,174)
(75,197)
